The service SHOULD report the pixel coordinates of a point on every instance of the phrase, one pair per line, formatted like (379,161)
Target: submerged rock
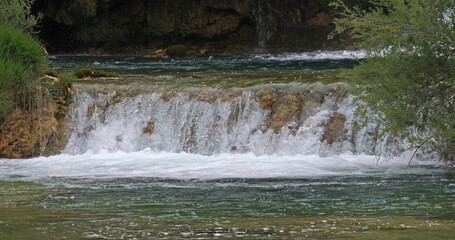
(149,129)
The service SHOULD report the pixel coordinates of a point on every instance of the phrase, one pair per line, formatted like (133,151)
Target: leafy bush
(21,47)
(17,14)
(406,83)
(12,76)
(66,79)
(22,62)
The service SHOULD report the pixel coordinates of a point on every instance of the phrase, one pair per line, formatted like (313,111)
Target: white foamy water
(181,124)
(317,55)
(147,163)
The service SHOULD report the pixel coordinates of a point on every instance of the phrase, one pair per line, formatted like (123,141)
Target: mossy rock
(104,74)
(88,72)
(52,73)
(177,51)
(84,72)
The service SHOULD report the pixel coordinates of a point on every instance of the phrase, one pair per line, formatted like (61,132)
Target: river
(223,147)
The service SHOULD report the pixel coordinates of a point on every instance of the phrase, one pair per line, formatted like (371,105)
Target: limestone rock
(24,134)
(335,130)
(149,129)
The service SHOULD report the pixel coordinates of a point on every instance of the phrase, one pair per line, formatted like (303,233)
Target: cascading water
(261,28)
(183,123)
(274,113)
(262,146)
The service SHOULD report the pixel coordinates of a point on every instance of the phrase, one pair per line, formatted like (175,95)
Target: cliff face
(227,25)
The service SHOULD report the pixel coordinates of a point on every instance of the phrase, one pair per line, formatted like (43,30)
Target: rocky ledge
(40,131)
(220,26)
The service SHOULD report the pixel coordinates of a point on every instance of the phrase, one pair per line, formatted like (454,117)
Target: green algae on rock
(90,73)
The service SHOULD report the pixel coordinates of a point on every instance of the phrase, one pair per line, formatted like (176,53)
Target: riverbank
(42,129)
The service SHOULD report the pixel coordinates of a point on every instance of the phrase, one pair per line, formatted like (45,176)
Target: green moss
(177,51)
(52,73)
(88,72)
(104,74)
(84,72)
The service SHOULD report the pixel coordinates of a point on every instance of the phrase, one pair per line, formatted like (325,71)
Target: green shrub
(15,86)
(21,47)
(21,64)
(22,59)
(406,83)
(17,14)
(13,78)
(177,51)
(66,79)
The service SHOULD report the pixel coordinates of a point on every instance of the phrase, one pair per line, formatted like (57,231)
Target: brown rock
(38,131)
(160,51)
(284,108)
(149,129)
(167,94)
(207,96)
(230,95)
(49,79)
(335,130)
(24,134)
(267,99)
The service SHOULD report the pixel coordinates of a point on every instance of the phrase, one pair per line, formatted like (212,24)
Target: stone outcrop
(38,131)
(223,25)
(24,134)
(335,130)
(150,128)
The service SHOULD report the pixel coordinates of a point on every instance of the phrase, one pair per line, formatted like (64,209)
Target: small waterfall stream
(208,122)
(261,27)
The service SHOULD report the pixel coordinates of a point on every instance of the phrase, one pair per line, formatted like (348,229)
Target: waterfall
(260,120)
(261,28)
